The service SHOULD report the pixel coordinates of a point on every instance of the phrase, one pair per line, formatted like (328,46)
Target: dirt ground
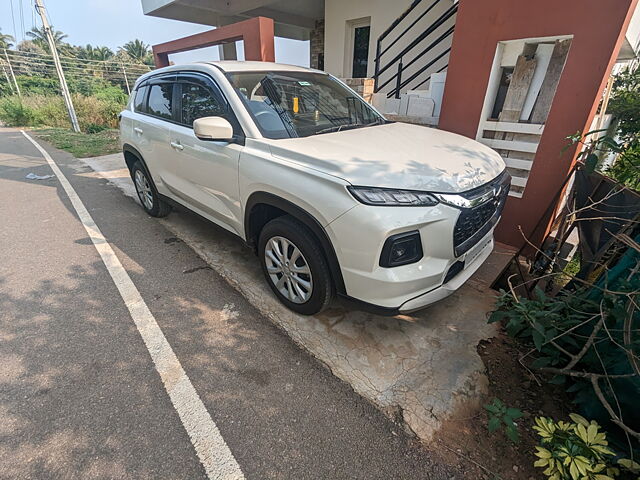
(479,454)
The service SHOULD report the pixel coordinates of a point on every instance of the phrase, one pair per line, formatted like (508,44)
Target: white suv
(333,197)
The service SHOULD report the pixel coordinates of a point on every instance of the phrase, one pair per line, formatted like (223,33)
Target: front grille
(474,223)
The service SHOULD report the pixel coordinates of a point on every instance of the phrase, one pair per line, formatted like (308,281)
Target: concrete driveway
(420,370)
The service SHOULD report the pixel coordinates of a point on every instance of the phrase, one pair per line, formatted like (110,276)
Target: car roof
(253,66)
(228,66)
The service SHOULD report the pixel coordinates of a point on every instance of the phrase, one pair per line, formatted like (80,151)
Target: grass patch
(81,145)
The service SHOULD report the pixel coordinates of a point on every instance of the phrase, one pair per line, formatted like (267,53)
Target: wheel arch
(261,207)
(131,156)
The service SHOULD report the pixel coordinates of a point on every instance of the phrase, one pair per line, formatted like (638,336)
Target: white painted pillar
(436,89)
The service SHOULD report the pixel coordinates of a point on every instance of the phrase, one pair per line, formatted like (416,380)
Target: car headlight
(392,197)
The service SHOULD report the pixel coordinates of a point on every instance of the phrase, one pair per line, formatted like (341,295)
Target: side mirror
(212,128)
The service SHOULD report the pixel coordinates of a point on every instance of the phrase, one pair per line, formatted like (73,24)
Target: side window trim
(190,76)
(176,103)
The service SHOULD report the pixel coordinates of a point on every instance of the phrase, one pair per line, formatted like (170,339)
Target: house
(516,75)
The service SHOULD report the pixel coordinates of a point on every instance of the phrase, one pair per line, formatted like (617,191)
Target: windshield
(299,104)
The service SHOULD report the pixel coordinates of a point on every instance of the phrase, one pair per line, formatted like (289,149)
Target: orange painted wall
(597,27)
(256,32)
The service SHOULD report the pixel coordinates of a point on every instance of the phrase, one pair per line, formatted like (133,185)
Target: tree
(90,52)
(6,40)
(625,107)
(28,46)
(137,50)
(39,37)
(102,53)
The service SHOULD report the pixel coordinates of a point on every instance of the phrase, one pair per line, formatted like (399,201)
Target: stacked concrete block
(362,86)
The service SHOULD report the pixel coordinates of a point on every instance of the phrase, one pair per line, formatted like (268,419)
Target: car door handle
(177,145)
(138,130)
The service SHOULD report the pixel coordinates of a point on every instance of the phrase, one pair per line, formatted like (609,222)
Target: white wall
(339,12)
(338,39)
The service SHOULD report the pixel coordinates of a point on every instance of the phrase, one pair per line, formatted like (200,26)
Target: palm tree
(6,41)
(137,50)
(39,37)
(94,53)
(102,53)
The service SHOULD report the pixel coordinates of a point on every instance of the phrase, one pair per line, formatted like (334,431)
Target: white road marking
(211,448)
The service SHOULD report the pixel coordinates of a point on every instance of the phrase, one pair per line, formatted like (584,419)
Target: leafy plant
(502,416)
(577,450)
(584,340)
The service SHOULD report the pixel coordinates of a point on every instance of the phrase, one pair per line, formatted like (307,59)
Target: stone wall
(316,46)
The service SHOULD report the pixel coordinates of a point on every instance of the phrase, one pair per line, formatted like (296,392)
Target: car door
(139,141)
(205,172)
(152,130)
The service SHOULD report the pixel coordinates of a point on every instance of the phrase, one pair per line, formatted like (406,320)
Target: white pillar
(436,88)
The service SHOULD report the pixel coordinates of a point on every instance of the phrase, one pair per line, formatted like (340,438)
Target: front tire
(147,193)
(294,266)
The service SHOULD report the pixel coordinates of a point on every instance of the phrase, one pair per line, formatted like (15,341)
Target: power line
(22,18)
(80,65)
(13,20)
(77,59)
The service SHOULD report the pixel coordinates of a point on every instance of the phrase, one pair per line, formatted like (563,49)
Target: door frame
(350,30)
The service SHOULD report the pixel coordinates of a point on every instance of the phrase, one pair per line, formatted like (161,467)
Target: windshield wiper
(347,126)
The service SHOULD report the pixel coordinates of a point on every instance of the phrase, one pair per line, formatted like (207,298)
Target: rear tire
(147,193)
(294,266)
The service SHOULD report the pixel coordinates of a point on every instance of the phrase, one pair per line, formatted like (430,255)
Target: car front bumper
(359,235)
(472,263)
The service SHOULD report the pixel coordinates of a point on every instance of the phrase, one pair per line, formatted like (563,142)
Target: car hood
(396,155)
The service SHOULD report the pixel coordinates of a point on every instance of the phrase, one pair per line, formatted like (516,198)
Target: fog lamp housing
(401,249)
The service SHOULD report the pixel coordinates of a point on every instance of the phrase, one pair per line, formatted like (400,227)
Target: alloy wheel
(144,189)
(288,269)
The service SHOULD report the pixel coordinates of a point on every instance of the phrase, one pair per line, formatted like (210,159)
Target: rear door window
(139,100)
(160,100)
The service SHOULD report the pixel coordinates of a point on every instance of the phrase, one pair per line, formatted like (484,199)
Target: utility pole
(56,60)
(6,75)
(126,79)
(13,77)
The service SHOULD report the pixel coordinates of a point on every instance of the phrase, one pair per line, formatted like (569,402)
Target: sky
(115,22)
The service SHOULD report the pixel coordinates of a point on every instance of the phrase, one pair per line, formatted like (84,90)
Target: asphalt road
(80,396)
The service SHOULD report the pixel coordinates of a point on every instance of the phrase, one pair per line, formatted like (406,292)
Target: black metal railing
(419,53)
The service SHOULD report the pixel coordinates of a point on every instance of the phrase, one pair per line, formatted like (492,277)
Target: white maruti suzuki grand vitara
(333,197)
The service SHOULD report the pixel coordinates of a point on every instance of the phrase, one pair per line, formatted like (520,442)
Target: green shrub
(50,110)
(578,337)
(14,113)
(94,128)
(113,94)
(38,85)
(576,450)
